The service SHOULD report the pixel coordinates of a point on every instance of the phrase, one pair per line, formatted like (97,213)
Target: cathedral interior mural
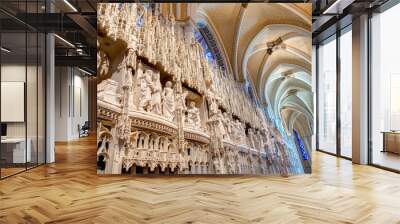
(204,88)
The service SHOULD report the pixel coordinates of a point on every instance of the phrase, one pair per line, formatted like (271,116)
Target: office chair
(84,130)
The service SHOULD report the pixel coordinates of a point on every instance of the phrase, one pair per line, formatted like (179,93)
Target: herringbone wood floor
(69,191)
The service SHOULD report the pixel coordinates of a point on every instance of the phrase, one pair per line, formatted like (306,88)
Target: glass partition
(346,93)
(385,89)
(327,96)
(13,94)
(22,88)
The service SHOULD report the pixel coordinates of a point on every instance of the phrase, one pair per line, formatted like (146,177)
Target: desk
(13,150)
(391,141)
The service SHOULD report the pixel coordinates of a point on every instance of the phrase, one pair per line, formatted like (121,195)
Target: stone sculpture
(221,125)
(227,124)
(145,84)
(193,116)
(103,64)
(156,94)
(181,101)
(251,138)
(181,105)
(168,99)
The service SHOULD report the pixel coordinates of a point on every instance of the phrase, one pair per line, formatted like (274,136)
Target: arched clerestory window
(205,36)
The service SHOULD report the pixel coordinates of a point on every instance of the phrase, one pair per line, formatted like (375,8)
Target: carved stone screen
(171,100)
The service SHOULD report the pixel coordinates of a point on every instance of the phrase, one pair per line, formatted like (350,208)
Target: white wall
(33,127)
(71,87)
(62,81)
(12,73)
(79,115)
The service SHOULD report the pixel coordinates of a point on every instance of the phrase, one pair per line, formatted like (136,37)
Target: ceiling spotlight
(70,5)
(80,51)
(5,50)
(65,41)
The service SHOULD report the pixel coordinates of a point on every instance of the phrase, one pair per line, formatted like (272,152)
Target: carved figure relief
(145,85)
(156,94)
(168,99)
(170,79)
(193,116)
(103,64)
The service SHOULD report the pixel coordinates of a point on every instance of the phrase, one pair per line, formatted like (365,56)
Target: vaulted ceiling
(270,46)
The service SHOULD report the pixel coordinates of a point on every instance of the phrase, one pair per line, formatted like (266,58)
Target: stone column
(167,171)
(198,169)
(133,170)
(146,170)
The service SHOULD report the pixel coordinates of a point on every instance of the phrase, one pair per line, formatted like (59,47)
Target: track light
(5,50)
(65,41)
(70,5)
(337,7)
(84,71)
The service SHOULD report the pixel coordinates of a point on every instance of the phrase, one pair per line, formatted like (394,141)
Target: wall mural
(164,109)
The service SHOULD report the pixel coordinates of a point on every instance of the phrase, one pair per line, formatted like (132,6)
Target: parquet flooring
(11,170)
(69,191)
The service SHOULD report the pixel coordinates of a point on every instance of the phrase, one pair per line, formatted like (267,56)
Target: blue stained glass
(139,21)
(199,37)
(301,145)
